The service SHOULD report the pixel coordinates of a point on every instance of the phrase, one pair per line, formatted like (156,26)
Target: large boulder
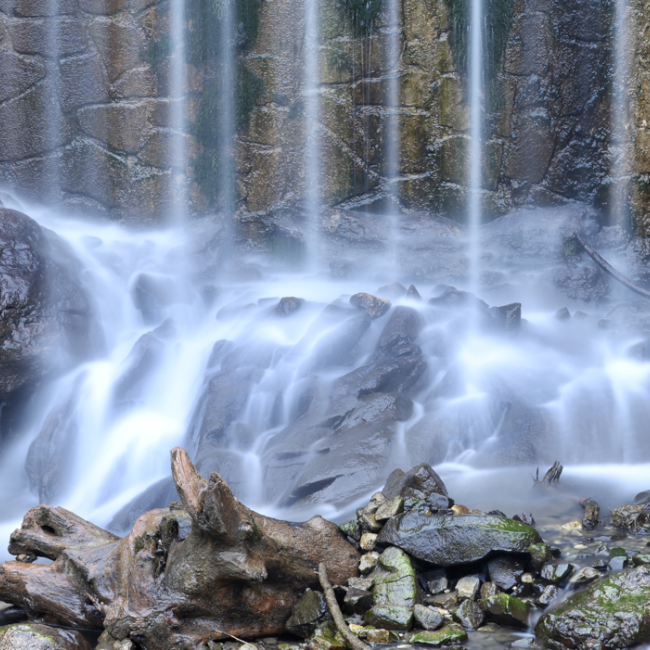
(46,322)
(456,539)
(612,613)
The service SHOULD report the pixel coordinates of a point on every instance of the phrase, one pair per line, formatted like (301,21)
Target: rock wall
(86,113)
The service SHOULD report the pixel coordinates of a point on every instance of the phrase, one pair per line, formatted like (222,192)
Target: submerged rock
(459,539)
(33,636)
(612,613)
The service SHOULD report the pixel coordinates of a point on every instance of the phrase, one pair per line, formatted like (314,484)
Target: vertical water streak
(51,120)
(620,172)
(393,144)
(475,91)
(227,114)
(178,160)
(312,115)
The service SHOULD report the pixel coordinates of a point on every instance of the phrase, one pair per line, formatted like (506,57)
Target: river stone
(373,306)
(394,591)
(420,483)
(540,554)
(429,619)
(325,638)
(357,601)
(549,594)
(390,508)
(458,539)
(506,610)
(468,587)
(488,589)
(469,615)
(505,571)
(582,577)
(309,612)
(443,636)
(368,562)
(614,611)
(32,636)
(641,558)
(555,573)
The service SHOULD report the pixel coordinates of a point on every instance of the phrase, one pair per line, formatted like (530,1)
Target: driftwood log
(183,576)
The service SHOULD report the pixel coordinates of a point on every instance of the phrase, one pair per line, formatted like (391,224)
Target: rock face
(457,539)
(32,636)
(612,613)
(46,321)
(93,129)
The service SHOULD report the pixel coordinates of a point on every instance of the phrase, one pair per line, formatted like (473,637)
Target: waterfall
(312,129)
(620,138)
(178,160)
(475,92)
(393,135)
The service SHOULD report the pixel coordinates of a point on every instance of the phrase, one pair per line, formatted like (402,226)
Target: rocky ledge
(413,566)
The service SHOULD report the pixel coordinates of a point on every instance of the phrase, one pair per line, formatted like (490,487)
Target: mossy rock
(445,635)
(506,610)
(33,636)
(325,637)
(459,539)
(310,610)
(613,612)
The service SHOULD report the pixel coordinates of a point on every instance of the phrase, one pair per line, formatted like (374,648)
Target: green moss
(138,544)
(498,14)
(339,61)
(443,636)
(171,527)
(157,51)
(361,14)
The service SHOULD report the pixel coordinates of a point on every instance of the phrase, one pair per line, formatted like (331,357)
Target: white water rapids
(586,397)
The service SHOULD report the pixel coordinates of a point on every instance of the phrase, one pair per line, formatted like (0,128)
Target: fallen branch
(353,641)
(608,268)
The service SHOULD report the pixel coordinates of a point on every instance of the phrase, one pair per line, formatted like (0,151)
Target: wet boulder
(46,320)
(446,635)
(505,571)
(469,615)
(507,610)
(613,612)
(33,636)
(373,306)
(427,618)
(457,539)
(308,613)
(421,483)
(394,591)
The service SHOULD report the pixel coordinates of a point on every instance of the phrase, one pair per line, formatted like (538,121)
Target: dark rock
(287,306)
(373,306)
(308,613)
(525,518)
(351,529)
(450,297)
(613,612)
(469,615)
(435,581)
(556,574)
(36,36)
(19,74)
(630,517)
(402,329)
(507,318)
(563,314)
(393,291)
(506,610)
(458,539)
(427,618)
(505,571)
(82,81)
(46,323)
(592,510)
(641,558)
(446,601)
(421,483)
(357,601)
(33,636)
(550,593)
(413,293)
(583,576)
(325,638)
(642,499)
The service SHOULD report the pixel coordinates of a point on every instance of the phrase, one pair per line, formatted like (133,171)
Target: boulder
(373,306)
(458,539)
(33,636)
(469,615)
(505,609)
(421,483)
(394,590)
(427,618)
(468,587)
(505,571)
(46,319)
(614,612)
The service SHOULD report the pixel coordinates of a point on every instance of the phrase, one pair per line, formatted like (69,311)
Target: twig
(232,636)
(353,641)
(608,268)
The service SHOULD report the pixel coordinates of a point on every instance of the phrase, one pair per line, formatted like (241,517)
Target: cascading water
(227,113)
(311,85)
(475,161)
(177,99)
(620,138)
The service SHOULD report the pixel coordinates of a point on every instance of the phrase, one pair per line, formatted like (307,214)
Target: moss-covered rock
(395,591)
(506,610)
(325,637)
(540,554)
(615,612)
(32,636)
(459,539)
(445,635)
(308,613)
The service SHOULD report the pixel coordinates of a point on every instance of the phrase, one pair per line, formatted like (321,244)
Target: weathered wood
(551,476)
(182,576)
(353,641)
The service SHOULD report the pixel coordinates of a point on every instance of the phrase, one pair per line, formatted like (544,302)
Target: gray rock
(18,73)
(459,539)
(555,574)
(38,37)
(427,618)
(582,577)
(468,587)
(33,636)
(614,612)
(373,306)
(550,593)
(488,589)
(421,483)
(506,572)
(469,615)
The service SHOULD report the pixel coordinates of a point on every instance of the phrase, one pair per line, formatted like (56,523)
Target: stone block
(122,127)
(54,37)
(82,81)
(118,44)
